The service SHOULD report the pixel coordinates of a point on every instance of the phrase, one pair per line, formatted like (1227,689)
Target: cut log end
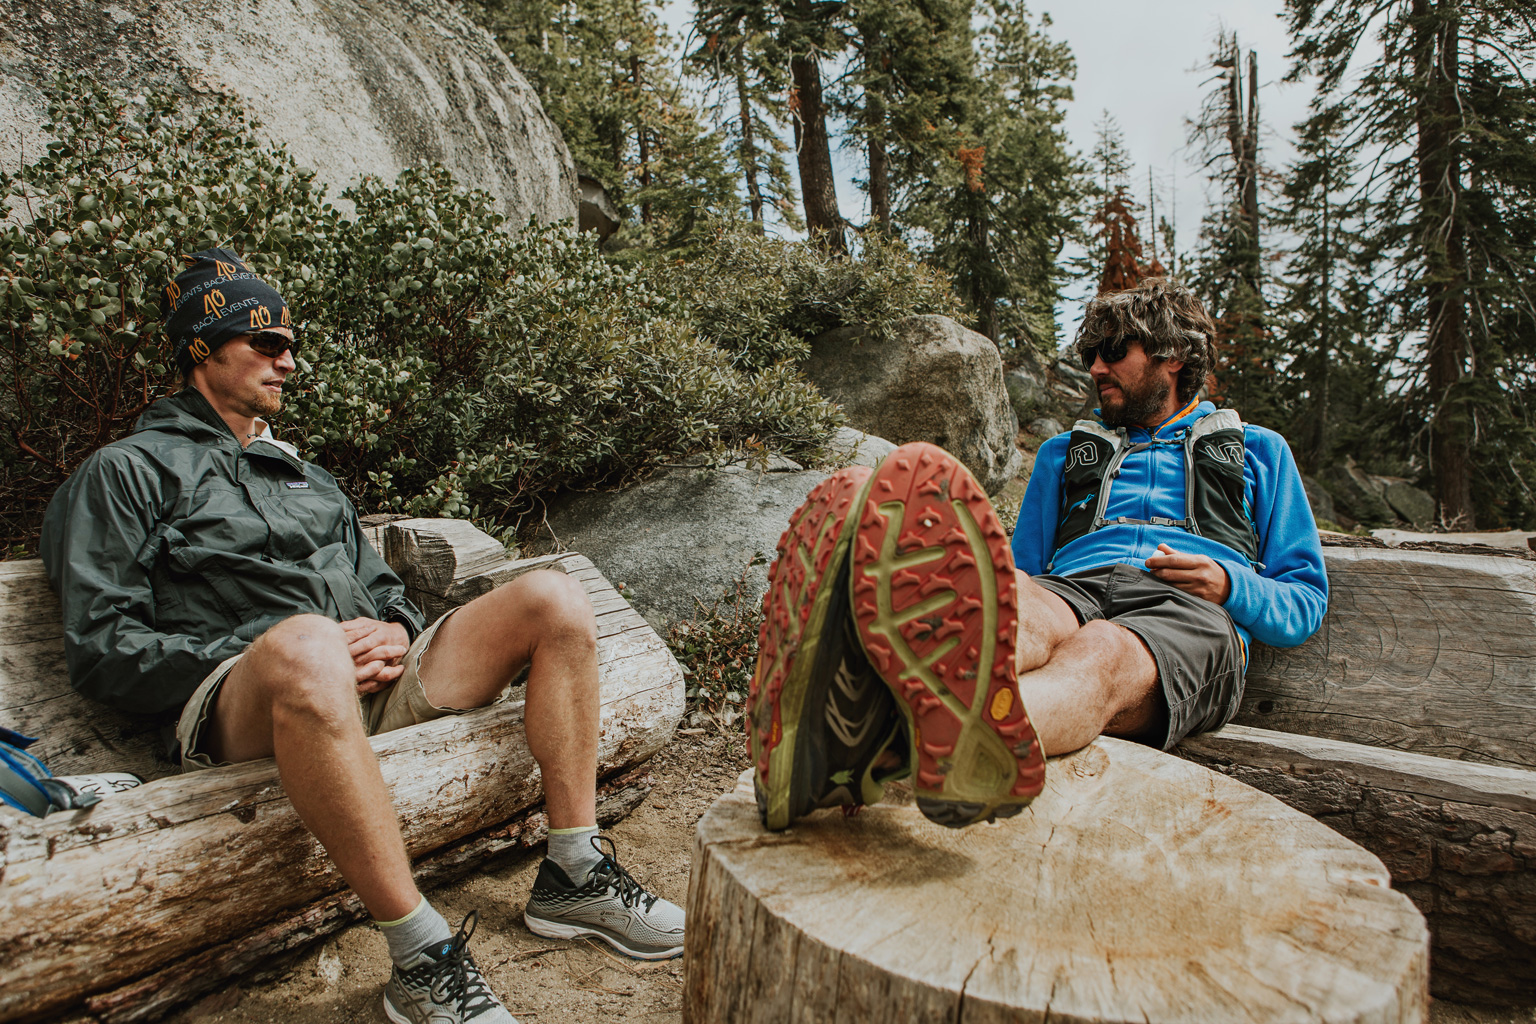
(1137,887)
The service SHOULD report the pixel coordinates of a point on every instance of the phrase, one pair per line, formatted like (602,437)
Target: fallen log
(1137,887)
(1458,838)
(268,952)
(1427,651)
(104,907)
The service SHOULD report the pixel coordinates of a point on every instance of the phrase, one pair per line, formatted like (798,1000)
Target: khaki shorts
(403,703)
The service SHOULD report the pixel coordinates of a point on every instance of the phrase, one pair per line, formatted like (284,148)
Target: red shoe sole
(935,600)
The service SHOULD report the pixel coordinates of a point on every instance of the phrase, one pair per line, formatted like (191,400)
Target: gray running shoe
(609,905)
(442,985)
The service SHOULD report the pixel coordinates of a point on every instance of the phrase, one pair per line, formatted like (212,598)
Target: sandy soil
(543,980)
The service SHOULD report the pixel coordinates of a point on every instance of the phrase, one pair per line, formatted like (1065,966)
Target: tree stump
(1138,887)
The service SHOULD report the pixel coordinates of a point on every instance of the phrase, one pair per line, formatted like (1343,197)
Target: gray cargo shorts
(1200,657)
(401,704)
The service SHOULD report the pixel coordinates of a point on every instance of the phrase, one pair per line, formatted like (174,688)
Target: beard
(266,404)
(1139,400)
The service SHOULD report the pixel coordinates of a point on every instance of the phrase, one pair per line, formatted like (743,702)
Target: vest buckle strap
(1184,524)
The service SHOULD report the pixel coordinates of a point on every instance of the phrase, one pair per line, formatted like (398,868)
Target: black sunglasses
(271,344)
(1111,351)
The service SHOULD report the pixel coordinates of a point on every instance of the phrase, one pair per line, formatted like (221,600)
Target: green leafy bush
(717,650)
(449,366)
(763,299)
(95,224)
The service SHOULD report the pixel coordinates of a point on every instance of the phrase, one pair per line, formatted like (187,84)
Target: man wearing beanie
(211,577)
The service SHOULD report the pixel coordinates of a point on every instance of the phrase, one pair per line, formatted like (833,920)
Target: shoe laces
(611,874)
(456,979)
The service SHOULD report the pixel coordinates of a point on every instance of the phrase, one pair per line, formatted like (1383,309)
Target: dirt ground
(540,980)
(544,980)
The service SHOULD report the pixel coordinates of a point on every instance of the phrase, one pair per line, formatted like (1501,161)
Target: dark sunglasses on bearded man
(272,344)
(1111,350)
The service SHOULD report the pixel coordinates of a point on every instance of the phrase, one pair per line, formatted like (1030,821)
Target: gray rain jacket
(174,548)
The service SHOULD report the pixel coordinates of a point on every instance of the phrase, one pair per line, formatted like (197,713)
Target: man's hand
(1194,574)
(376,648)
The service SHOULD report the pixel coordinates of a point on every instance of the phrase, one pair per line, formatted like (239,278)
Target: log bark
(188,868)
(1136,888)
(1458,838)
(1433,652)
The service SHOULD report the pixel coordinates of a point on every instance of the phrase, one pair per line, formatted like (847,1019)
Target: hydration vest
(1214,505)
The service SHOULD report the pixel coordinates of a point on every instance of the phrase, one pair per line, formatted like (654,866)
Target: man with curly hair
(905,635)
(1156,543)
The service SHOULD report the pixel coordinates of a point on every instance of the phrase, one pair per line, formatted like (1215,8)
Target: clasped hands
(378,652)
(1194,574)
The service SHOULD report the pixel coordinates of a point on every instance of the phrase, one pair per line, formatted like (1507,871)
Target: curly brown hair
(1168,320)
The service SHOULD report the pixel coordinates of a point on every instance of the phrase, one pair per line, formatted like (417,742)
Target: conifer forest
(1373,278)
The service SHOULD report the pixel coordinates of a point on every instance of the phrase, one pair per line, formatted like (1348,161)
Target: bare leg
(1101,679)
(294,697)
(1045,621)
(542,619)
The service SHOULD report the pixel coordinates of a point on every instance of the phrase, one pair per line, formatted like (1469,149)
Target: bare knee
(553,605)
(302,667)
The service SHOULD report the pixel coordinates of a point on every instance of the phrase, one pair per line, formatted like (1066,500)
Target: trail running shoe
(815,724)
(442,985)
(934,600)
(609,905)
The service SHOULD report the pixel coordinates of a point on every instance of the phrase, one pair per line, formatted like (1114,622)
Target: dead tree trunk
(1437,70)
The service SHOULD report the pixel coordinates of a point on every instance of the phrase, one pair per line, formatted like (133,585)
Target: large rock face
(930,380)
(352,87)
(681,539)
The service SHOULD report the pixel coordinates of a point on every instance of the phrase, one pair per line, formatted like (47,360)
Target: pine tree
(739,57)
(1122,264)
(1329,311)
(911,65)
(1000,199)
(1110,158)
(1452,211)
(604,72)
(811,32)
(1229,268)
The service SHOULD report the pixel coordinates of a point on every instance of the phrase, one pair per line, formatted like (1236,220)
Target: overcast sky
(1145,63)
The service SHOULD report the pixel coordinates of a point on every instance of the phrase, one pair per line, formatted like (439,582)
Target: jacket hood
(188,413)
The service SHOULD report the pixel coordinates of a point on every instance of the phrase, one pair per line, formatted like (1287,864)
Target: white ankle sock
(572,849)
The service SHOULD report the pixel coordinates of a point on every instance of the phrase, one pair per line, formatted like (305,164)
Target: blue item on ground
(27,785)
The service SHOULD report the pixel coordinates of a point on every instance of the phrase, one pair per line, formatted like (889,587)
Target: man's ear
(1175,365)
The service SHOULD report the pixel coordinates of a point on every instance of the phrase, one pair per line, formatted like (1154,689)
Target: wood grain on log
(1458,838)
(1424,651)
(98,900)
(433,554)
(1138,887)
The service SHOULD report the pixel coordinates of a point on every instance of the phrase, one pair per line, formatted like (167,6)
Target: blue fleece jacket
(1281,605)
